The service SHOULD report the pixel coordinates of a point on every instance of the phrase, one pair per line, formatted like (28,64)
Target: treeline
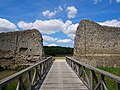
(57,50)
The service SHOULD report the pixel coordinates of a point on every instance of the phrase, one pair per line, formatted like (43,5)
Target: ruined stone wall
(97,45)
(21,47)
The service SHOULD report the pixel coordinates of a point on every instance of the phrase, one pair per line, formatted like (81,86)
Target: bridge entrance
(62,77)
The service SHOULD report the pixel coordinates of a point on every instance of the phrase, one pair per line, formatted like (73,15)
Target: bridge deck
(62,77)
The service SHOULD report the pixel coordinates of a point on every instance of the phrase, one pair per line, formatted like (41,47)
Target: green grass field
(112,85)
(6,73)
(112,70)
(62,57)
(12,84)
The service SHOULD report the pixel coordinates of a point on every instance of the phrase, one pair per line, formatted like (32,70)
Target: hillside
(58,50)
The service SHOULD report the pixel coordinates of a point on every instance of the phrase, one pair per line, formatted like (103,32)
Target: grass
(6,73)
(12,84)
(59,57)
(112,70)
(112,85)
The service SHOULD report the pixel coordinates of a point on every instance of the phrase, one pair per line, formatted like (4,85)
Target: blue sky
(57,20)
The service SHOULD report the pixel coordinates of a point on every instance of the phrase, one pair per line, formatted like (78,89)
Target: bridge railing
(93,78)
(30,78)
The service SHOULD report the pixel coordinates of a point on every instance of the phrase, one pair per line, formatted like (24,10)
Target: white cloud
(46,27)
(25,25)
(60,8)
(70,30)
(53,44)
(68,23)
(97,1)
(48,13)
(45,43)
(49,39)
(114,22)
(72,11)
(118,1)
(7,26)
(64,41)
(49,26)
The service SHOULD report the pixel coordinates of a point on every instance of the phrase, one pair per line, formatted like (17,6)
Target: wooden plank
(62,77)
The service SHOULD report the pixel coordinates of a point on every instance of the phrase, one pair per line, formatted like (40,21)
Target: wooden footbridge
(59,74)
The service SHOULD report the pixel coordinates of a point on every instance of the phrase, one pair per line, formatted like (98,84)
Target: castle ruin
(97,45)
(20,47)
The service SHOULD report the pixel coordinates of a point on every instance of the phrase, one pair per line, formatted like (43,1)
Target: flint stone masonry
(97,45)
(20,47)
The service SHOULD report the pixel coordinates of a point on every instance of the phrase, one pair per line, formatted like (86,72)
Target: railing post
(78,69)
(119,85)
(40,70)
(20,80)
(43,67)
(29,81)
(73,65)
(102,78)
(91,80)
(83,72)
(70,63)
(4,87)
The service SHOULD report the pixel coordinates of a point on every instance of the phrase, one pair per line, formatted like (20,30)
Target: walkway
(62,77)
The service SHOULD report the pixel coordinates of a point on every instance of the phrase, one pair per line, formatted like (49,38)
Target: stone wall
(21,47)
(97,45)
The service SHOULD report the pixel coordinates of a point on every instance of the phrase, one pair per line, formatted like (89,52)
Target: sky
(57,20)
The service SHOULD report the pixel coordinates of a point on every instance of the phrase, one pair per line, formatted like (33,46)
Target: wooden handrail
(92,78)
(40,70)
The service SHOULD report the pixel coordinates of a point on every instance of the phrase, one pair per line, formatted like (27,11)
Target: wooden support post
(102,78)
(91,80)
(4,87)
(29,81)
(20,80)
(119,85)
